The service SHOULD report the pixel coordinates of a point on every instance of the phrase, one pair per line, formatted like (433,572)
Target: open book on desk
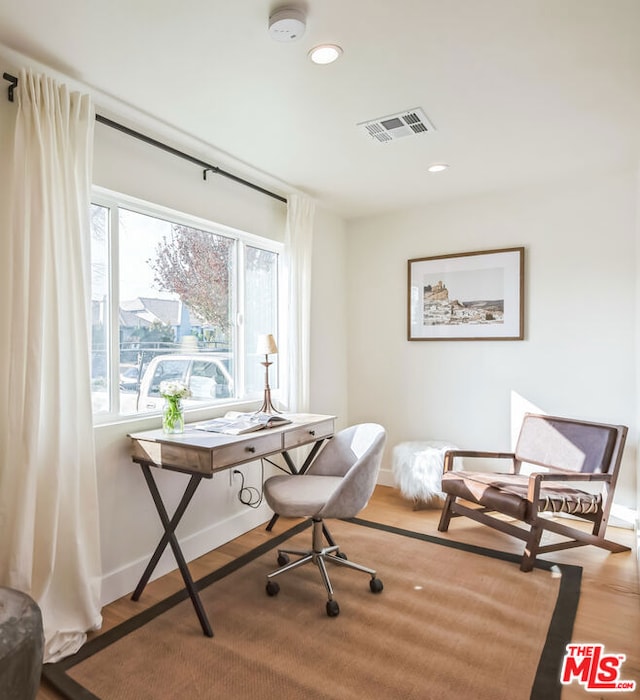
(237,423)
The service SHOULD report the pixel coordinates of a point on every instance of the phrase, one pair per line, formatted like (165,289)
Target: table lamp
(267,346)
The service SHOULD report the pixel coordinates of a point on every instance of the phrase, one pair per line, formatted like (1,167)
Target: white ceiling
(519,91)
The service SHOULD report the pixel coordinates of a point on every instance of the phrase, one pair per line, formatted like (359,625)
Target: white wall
(579,353)
(329,318)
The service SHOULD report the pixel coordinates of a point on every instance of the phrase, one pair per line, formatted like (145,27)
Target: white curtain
(49,542)
(298,247)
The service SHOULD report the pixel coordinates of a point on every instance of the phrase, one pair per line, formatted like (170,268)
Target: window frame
(114,201)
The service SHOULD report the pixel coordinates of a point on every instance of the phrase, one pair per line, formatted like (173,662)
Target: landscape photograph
(464,298)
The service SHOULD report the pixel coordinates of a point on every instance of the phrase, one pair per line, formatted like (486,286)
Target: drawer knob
(250,449)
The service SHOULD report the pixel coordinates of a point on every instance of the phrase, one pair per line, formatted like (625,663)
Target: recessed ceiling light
(325,53)
(437,167)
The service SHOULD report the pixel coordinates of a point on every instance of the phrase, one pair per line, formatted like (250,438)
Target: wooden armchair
(571,453)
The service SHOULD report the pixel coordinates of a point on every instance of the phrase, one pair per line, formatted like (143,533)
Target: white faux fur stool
(417,471)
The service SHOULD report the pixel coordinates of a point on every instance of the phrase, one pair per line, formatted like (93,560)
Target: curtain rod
(206,167)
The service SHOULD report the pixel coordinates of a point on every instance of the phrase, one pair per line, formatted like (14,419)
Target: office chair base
(319,556)
(332,607)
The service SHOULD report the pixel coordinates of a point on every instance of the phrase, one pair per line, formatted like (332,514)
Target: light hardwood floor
(608,612)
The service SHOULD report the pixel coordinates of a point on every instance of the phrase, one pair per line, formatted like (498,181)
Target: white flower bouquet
(174,390)
(172,415)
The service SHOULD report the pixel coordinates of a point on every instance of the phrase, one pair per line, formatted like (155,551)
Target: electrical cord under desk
(250,495)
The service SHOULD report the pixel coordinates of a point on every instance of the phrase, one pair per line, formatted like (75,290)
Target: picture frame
(467,296)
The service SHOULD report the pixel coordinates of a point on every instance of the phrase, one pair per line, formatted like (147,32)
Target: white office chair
(338,484)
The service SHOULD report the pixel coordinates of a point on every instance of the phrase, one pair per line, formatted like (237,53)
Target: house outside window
(175,298)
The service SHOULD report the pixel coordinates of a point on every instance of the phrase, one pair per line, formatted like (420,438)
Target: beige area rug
(453,621)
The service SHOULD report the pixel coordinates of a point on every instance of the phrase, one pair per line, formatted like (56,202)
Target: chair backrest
(570,445)
(355,454)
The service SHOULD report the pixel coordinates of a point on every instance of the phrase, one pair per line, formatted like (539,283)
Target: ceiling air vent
(398,126)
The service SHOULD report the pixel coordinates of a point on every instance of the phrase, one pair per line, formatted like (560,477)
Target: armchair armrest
(536,479)
(450,455)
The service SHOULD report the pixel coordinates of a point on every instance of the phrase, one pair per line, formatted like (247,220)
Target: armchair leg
(531,548)
(445,516)
(614,546)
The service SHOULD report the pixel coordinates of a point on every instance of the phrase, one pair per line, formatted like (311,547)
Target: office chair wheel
(341,555)
(273,588)
(283,559)
(333,609)
(375,585)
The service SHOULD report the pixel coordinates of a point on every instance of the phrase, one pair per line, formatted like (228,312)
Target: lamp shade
(267,345)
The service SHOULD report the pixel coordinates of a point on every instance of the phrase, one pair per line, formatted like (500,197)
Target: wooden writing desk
(199,454)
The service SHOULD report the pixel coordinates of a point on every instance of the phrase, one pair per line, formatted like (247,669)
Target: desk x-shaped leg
(170,538)
(294,470)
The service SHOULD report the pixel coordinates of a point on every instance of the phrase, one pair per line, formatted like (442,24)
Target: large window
(176,298)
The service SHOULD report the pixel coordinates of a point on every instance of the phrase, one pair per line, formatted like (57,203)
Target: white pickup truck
(205,374)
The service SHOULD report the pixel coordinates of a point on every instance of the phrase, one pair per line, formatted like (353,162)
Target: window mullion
(239,326)
(114,306)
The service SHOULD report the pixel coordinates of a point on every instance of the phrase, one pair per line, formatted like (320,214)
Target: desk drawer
(246,450)
(167,455)
(308,433)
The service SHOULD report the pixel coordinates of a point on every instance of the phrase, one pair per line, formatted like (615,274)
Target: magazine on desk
(238,423)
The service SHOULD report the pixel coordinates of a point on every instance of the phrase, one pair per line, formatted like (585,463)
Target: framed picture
(467,296)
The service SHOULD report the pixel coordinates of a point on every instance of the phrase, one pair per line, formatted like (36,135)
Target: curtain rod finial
(13,84)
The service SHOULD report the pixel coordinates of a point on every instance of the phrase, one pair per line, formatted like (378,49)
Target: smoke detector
(287,24)
(398,126)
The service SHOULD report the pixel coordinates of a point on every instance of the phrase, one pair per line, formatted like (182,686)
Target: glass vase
(172,416)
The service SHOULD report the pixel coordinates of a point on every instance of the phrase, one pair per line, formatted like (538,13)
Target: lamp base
(267,406)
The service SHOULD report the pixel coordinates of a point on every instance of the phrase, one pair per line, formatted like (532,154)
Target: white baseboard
(123,581)
(621,516)
(385,477)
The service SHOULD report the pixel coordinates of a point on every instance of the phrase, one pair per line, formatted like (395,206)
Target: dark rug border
(547,681)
